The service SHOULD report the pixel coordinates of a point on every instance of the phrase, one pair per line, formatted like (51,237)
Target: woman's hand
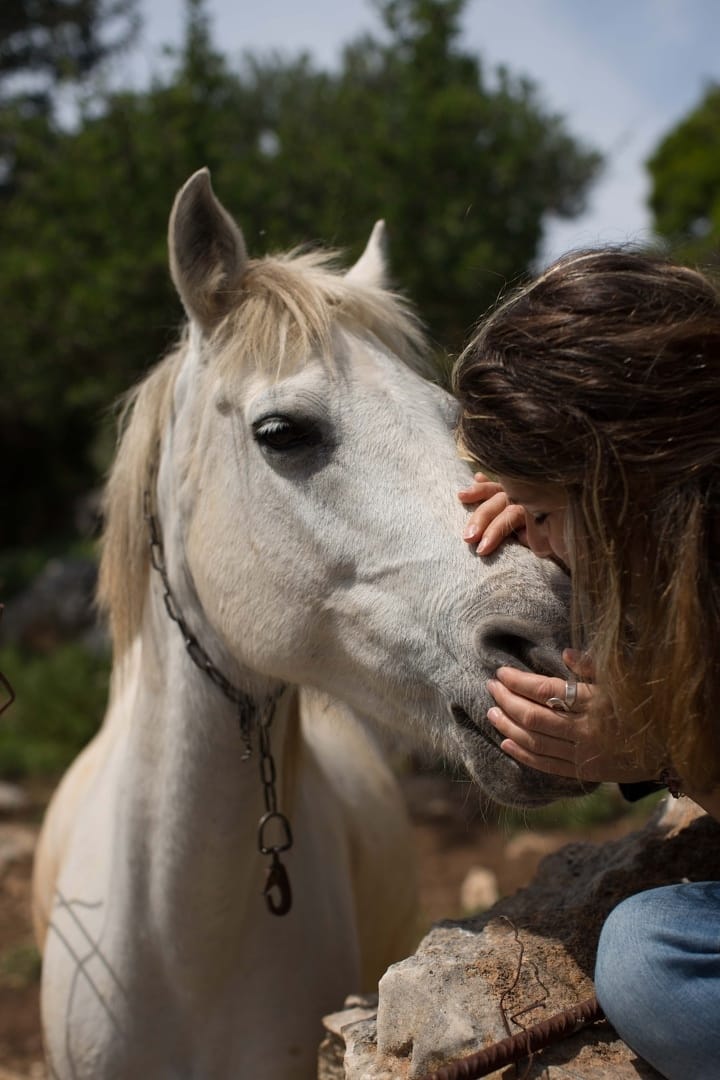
(561,743)
(494,519)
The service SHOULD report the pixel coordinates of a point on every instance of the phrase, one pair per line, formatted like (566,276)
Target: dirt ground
(454,835)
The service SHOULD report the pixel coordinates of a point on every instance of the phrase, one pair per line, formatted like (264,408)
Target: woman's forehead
(531,493)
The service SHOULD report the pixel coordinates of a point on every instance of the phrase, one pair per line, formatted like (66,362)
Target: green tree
(685,175)
(473,164)
(463,168)
(43,43)
(46,43)
(56,40)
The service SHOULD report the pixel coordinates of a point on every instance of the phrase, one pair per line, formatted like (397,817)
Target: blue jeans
(657,978)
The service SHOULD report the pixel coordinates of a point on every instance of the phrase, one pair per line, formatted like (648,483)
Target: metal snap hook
(277,879)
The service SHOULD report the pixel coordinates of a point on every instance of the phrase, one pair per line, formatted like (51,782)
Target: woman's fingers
(540,688)
(509,522)
(533,733)
(536,722)
(494,519)
(492,522)
(480,488)
(479,483)
(579,663)
(532,741)
(542,763)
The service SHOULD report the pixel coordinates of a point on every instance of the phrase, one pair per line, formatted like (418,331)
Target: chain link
(277,891)
(272,821)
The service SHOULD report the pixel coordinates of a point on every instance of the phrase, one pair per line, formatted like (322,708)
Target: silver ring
(566,703)
(571,692)
(557,703)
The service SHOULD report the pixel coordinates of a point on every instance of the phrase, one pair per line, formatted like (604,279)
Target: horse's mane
(287,308)
(125,542)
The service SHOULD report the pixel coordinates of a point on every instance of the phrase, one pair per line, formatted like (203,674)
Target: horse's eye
(284,433)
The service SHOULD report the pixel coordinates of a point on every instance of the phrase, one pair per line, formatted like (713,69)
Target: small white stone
(12,798)
(479,891)
(17,842)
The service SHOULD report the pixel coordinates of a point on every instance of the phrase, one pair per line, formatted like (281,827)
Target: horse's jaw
(531,638)
(476,743)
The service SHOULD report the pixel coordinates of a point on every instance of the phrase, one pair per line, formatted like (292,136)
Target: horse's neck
(191,805)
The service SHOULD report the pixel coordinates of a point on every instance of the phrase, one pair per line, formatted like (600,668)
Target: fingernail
(493,715)
(492,686)
(482,546)
(469,532)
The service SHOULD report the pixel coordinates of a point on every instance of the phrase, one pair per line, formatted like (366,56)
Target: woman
(592,397)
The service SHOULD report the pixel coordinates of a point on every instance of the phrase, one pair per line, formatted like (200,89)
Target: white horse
(281,514)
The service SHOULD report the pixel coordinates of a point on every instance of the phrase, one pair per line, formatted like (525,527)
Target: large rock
(473,982)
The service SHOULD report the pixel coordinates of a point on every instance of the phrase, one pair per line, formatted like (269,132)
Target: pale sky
(621,72)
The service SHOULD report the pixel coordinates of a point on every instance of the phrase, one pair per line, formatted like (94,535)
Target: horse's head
(307,496)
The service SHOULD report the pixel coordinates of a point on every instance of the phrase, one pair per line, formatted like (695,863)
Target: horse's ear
(371,267)
(207,252)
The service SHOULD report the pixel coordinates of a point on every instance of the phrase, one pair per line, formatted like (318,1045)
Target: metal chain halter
(276,879)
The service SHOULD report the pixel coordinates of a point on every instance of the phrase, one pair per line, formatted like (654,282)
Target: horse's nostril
(508,641)
(504,648)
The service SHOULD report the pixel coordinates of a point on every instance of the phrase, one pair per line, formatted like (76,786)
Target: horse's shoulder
(61,819)
(346,749)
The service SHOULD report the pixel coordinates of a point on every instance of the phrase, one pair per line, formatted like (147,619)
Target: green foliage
(62,39)
(685,174)
(463,167)
(601,807)
(60,701)
(19,966)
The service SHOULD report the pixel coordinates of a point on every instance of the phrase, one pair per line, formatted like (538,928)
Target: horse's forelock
(290,304)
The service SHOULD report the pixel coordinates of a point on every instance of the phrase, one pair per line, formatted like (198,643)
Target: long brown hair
(602,376)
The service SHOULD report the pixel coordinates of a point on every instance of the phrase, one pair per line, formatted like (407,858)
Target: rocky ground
(466,861)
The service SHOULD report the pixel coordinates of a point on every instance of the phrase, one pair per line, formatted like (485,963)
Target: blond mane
(287,309)
(125,552)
